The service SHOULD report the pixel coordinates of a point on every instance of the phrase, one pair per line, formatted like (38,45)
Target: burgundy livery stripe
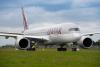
(24,20)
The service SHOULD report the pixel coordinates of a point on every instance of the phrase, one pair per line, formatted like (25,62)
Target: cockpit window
(74,29)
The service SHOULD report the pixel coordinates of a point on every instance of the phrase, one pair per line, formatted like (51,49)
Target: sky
(84,13)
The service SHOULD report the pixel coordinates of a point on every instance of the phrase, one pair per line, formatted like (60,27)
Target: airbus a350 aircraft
(59,34)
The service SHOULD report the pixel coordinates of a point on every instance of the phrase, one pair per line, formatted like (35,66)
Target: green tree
(97,43)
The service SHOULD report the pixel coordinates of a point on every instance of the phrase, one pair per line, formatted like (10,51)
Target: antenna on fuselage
(25,23)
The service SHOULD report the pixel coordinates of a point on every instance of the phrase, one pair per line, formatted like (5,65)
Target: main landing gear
(32,47)
(61,48)
(74,47)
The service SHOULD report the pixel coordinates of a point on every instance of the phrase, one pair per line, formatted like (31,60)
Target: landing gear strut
(33,46)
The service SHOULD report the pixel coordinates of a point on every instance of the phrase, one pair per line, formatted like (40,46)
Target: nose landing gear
(75,47)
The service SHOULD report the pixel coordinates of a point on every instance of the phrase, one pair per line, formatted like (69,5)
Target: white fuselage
(67,32)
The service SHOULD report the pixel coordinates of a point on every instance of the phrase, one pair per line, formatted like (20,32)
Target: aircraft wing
(7,35)
(90,34)
(15,35)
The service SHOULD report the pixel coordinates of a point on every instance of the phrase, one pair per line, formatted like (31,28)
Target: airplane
(58,34)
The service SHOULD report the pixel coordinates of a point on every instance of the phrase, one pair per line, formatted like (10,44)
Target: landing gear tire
(31,49)
(61,49)
(75,49)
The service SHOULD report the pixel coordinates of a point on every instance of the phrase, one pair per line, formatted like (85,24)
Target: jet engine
(23,43)
(85,42)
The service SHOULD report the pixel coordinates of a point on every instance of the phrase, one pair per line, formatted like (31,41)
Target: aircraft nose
(77,36)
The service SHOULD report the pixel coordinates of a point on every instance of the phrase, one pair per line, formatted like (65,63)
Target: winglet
(25,24)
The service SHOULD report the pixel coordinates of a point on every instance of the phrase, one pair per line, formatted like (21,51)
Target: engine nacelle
(23,43)
(85,42)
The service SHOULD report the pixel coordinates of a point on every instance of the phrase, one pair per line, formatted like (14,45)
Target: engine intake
(85,42)
(24,43)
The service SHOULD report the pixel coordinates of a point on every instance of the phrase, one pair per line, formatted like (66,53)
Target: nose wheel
(75,47)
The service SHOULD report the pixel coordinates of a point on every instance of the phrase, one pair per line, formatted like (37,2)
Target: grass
(49,58)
